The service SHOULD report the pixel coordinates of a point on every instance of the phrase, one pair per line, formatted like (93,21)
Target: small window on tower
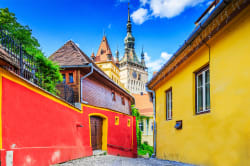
(139,77)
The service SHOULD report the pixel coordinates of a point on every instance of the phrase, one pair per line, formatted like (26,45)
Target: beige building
(146,123)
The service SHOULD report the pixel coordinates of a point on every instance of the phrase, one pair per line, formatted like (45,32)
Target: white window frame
(203,73)
(169,101)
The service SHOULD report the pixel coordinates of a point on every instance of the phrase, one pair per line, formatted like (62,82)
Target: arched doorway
(98,126)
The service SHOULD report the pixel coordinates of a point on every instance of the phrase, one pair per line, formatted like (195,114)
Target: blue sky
(160,26)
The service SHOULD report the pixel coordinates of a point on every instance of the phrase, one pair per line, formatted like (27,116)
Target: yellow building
(202,94)
(105,60)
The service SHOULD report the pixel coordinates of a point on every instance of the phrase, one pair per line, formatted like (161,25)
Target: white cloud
(109,26)
(140,15)
(166,56)
(209,3)
(155,65)
(143,2)
(171,8)
(147,58)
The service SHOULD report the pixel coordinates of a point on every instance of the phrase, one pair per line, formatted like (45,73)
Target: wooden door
(96,132)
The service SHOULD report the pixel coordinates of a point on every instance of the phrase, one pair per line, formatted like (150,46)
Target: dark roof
(71,56)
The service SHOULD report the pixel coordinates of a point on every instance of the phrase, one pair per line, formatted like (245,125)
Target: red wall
(121,139)
(41,131)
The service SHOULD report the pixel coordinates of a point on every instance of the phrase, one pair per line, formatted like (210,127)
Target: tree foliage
(136,113)
(48,72)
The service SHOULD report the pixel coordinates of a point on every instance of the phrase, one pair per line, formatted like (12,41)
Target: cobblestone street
(108,160)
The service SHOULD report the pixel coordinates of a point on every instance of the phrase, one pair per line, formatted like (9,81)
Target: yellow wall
(221,137)
(111,70)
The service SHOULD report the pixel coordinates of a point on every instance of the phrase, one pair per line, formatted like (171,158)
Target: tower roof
(104,52)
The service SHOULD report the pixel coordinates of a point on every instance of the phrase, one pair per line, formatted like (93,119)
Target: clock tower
(133,72)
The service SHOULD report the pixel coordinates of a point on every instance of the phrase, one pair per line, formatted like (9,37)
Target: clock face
(134,74)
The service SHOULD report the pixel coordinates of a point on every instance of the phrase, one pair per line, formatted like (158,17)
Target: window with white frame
(169,104)
(141,126)
(202,91)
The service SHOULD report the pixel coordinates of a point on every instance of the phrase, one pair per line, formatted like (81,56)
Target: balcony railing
(24,64)
(17,57)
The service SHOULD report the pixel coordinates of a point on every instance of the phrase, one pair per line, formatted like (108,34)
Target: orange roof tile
(143,104)
(104,52)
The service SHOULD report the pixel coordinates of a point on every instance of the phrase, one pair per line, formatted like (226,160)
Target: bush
(145,148)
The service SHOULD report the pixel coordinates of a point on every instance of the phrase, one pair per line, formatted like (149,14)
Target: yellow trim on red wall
(116,120)
(1,126)
(103,109)
(129,123)
(16,79)
(104,129)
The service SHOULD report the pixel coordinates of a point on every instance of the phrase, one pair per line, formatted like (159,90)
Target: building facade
(146,123)
(97,89)
(39,128)
(104,59)
(133,72)
(202,93)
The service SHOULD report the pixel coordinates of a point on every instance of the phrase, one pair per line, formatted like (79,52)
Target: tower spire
(128,13)
(129,27)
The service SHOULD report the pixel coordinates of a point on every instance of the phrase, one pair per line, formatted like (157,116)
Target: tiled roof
(69,54)
(143,104)
(104,51)
(72,56)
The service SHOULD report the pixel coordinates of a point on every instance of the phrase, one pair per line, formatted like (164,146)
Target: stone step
(99,152)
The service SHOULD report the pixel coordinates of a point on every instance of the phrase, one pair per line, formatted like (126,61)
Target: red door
(96,132)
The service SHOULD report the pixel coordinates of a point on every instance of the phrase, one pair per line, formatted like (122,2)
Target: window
(116,120)
(202,91)
(113,95)
(71,80)
(128,122)
(169,104)
(123,101)
(141,127)
(64,78)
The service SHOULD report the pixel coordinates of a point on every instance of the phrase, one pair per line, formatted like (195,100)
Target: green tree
(48,72)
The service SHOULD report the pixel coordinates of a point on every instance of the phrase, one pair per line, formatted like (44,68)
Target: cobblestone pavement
(108,160)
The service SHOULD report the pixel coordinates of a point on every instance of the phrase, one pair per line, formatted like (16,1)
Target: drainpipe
(208,46)
(153,92)
(83,77)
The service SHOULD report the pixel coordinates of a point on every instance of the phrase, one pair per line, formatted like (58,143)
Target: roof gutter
(154,112)
(83,77)
(220,6)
